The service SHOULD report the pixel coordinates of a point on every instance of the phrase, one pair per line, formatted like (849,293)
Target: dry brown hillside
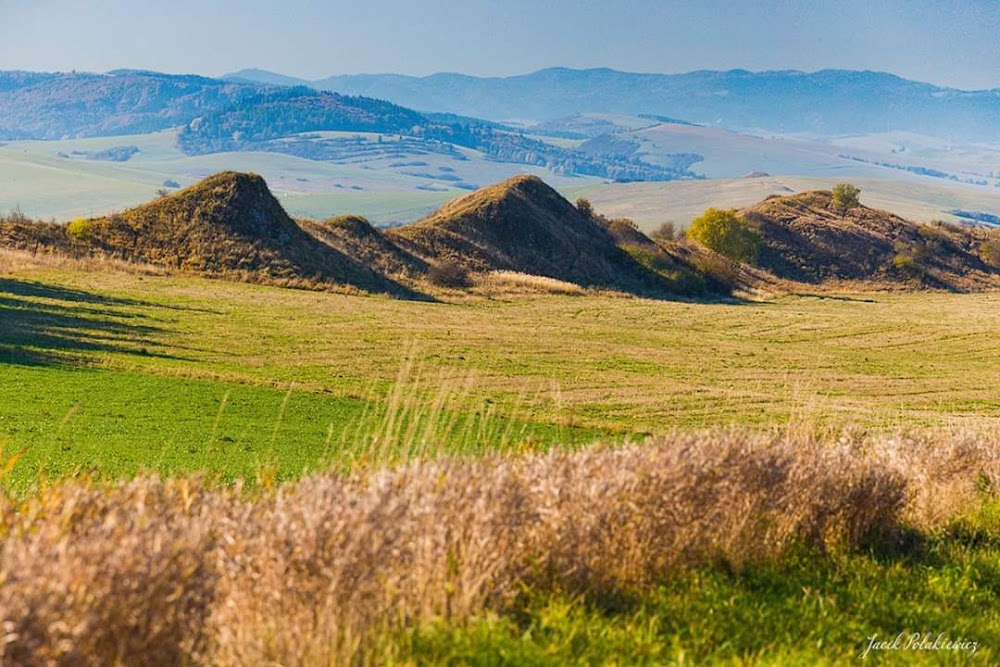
(524,225)
(354,236)
(804,239)
(229,225)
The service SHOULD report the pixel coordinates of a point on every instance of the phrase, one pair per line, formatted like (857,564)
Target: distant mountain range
(55,106)
(226,116)
(828,102)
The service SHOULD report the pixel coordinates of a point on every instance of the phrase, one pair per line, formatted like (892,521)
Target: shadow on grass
(47,325)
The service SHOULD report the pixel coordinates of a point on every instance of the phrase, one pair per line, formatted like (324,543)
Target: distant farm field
(915,198)
(389,185)
(54,179)
(119,372)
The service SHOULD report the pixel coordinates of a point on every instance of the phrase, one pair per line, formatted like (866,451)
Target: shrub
(654,260)
(449,273)
(584,206)
(665,232)
(845,197)
(909,265)
(80,229)
(990,251)
(14,215)
(721,272)
(727,234)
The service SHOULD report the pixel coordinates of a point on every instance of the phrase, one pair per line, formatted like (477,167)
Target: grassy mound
(354,236)
(229,226)
(804,238)
(523,225)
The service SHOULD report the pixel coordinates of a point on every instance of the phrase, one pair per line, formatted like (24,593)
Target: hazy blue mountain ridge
(223,116)
(829,102)
(53,106)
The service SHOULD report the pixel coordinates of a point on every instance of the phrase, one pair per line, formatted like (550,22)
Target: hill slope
(524,225)
(354,236)
(805,239)
(228,225)
(222,116)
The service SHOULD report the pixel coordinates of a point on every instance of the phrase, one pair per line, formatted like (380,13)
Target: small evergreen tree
(845,197)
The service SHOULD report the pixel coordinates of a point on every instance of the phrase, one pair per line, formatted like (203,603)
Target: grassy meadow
(807,470)
(218,374)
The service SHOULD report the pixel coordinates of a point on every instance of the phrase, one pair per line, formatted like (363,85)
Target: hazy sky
(948,42)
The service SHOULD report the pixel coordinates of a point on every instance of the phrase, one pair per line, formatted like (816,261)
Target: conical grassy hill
(229,225)
(524,225)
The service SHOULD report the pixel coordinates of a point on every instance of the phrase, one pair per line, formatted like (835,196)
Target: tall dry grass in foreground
(170,572)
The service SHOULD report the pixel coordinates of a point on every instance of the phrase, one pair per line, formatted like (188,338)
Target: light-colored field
(400,188)
(905,148)
(387,189)
(731,155)
(916,198)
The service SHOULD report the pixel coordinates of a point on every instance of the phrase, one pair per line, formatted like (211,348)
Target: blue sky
(954,43)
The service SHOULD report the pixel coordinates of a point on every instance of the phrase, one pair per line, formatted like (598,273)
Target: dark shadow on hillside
(45,325)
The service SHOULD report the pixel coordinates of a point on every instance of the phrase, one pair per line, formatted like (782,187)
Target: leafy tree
(727,234)
(80,229)
(584,206)
(990,251)
(845,197)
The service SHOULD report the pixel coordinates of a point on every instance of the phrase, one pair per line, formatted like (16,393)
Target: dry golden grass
(514,282)
(14,261)
(169,572)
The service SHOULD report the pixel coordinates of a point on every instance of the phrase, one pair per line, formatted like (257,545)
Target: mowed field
(119,372)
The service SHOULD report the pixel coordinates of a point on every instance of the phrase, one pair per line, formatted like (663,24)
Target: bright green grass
(120,423)
(809,609)
(115,424)
(149,360)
